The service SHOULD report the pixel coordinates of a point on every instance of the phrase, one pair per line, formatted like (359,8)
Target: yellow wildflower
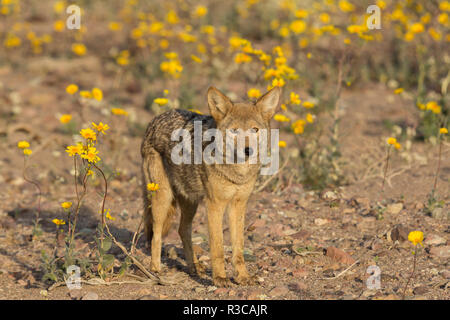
(97,94)
(58,26)
(27,152)
(391,141)
(23,144)
(310,118)
(91,155)
(294,98)
(73,150)
(58,222)
(65,118)
(253,93)
(282,144)
(86,94)
(71,88)
(119,112)
(397,146)
(398,90)
(79,49)
(443,131)
(100,127)
(308,104)
(281,118)
(88,134)
(66,205)
(415,237)
(108,215)
(161,101)
(152,186)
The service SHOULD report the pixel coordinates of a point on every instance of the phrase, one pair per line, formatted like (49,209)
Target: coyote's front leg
(216,209)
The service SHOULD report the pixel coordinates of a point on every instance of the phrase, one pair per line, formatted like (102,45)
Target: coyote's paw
(198,269)
(246,280)
(221,282)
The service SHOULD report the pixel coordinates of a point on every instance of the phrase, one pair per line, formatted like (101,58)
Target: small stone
(298,286)
(420,290)
(399,233)
(301,235)
(339,255)
(434,240)
(446,274)
(440,252)
(394,208)
(211,288)
(199,289)
(300,273)
(221,291)
(75,294)
(90,296)
(329,195)
(279,291)
(439,213)
(320,221)
(419,205)
(254,294)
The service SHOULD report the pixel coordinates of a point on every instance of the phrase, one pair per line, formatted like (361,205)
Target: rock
(200,289)
(221,291)
(298,286)
(440,213)
(445,274)
(75,294)
(419,205)
(440,252)
(394,208)
(279,291)
(253,294)
(211,288)
(301,235)
(434,240)
(420,290)
(339,255)
(329,195)
(90,296)
(300,273)
(398,233)
(320,221)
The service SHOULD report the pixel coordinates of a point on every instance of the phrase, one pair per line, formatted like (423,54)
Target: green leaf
(106,244)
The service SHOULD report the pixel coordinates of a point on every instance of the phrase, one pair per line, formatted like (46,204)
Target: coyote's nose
(248,151)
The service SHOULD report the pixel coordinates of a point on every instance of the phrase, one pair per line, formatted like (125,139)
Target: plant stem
(386,168)
(410,277)
(439,166)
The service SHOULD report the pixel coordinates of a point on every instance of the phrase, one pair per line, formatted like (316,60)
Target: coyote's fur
(223,187)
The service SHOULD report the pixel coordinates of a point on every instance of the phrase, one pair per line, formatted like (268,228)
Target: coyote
(223,187)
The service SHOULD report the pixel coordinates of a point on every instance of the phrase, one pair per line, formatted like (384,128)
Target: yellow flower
(79,49)
(91,155)
(88,134)
(281,118)
(398,90)
(23,144)
(434,107)
(299,126)
(161,101)
(282,144)
(278,82)
(172,17)
(115,26)
(152,186)
(443,131)
(100,127)
(196,59)
(58,26)
(242,58)
(294,98)
(119,112)
(73,150)
(27,152)
(65,118)
(298,26)
(346,6)
(66,205)
(253,93)
(397,146)
(195,110)
(108,215)
(417,27)
(308,104)
(200,11)
(86,94)
(71,88)
(391,141)
(97,94)
(58,222)
(415,237)
(310,118)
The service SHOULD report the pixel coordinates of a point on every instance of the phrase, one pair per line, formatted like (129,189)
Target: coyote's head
(245,126)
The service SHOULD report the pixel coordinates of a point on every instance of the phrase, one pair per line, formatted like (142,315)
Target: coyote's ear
(218,103)
(268,103)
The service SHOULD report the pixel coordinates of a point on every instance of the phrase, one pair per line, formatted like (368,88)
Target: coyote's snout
(223,186)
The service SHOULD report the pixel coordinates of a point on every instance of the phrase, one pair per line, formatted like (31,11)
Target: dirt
(301,244)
